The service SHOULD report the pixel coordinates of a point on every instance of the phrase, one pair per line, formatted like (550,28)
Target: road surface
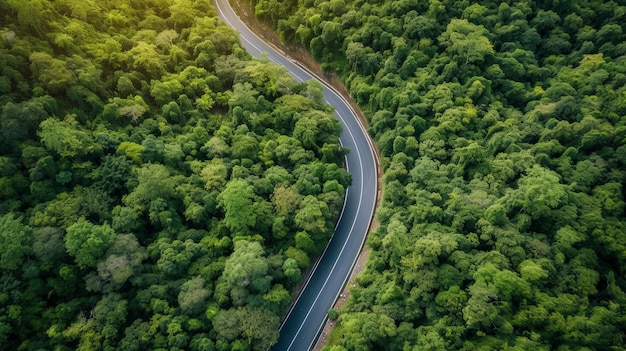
(306,319)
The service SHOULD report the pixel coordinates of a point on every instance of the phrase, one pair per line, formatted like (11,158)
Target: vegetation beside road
(159,188)
(502,127)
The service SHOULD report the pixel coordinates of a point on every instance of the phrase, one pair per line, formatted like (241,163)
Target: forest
(159,188)
(502,130)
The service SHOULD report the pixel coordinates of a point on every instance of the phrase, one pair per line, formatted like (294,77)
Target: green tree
(310,218)
(292,271)
(15,238)
(355,52)
(259,326)
(123,260)
(193,295)
(467,41)
(48,245)
(113,173)
(286,199)
(33,15)
(154,182)
(366,330)
(20,121)
(145,58)
(165,91)
(331,35)
(244,146)
(66,138)
(540,191)
(246,272)
(236,200)
(50,72)
(88,242)
(227,324)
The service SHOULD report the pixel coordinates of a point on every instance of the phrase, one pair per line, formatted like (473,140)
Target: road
(307,316)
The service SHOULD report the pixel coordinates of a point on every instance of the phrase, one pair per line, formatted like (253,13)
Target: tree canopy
(155,180)
(501,128)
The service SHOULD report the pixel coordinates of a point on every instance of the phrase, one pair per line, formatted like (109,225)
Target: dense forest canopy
(502,126)
(159,189)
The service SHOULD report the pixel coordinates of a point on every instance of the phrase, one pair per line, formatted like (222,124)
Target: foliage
(501,127)
(155,181)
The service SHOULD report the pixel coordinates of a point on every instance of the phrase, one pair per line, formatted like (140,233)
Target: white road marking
(342,247)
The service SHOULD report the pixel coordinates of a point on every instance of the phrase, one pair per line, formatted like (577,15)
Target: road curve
(306,318)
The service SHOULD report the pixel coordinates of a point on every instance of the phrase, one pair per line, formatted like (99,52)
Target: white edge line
(350,232)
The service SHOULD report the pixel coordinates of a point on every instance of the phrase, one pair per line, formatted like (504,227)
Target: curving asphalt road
(306,318)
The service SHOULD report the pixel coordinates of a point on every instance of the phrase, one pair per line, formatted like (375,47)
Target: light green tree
(540,191)
(246,272)
(88,242)
(236,200)
(51,72)
(66,137)
(466,41)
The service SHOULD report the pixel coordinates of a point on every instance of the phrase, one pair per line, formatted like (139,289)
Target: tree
(236,200)
(193,295)
(66,138)
(33,14)
(20,121)
(166,37)
(165,91)
(290,153)
(123,260)
(15,239)
(264,217)
(174,256)
(227,324)
(539,191)
(182,13)
(126,219)
(154,182)
(269,80)
(305,131)
(292,271)
(145,58)
(259,326)
(310,218)
(451,301)
(305,243)
(51,73)
(544,21)
(367,330)
(286,199)
(481,312)
(48,245)
(110,314)
(113,173)
(125,86)
(355,53)
(216,147)
(244,146)
(88,242)
(133,112)
(246,272)
(136,336)
(466,40)
(532,272)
